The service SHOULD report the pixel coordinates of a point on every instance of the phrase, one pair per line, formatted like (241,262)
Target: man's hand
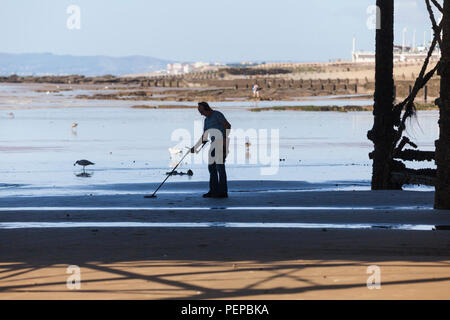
(203,142)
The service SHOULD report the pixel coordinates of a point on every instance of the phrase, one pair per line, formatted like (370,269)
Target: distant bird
(11,115)
(83,163)
(247,146)
(74,129)
(174,151)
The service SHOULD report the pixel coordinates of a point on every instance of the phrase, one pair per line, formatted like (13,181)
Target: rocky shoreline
(218,86)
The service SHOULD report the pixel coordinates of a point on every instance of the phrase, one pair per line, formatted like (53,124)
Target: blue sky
(202,30)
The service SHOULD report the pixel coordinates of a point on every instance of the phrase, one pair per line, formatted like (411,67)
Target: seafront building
(402,53)
(183,68)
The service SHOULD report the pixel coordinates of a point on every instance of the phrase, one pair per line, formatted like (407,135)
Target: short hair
(205,106)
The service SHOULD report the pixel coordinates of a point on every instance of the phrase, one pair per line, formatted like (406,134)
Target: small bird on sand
(84,163)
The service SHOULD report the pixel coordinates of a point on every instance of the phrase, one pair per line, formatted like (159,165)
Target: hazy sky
(202,30)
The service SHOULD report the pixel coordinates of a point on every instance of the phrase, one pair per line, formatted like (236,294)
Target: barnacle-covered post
(442,195)
(382,132)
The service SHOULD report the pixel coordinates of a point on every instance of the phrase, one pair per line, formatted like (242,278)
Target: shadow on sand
(214,263)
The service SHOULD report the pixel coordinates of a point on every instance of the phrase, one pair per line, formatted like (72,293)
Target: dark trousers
(218,175)
(217,178)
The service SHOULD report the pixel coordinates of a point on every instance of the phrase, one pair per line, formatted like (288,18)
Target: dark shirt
(215,121)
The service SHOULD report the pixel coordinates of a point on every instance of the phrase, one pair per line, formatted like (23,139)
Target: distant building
(178,68)
(402,53)
(181,68)
(200,65)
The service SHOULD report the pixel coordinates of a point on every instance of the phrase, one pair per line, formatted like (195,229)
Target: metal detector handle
(173,170)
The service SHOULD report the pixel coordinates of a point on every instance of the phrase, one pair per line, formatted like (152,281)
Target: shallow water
(24,96)
(205,208)
(259,225)
(38,145)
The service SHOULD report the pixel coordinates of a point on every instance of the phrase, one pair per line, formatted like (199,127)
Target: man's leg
(223,186)
(213,179)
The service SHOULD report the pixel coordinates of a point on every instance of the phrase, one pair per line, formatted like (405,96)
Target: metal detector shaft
(173,170)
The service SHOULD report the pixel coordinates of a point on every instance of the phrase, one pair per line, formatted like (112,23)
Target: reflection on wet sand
(84,175)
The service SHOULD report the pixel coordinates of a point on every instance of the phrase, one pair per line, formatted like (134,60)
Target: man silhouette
(218,128)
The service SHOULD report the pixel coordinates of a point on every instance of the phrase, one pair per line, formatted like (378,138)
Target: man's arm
(203,139)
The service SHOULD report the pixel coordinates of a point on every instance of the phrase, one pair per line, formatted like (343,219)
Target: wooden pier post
(442,194)
(382,132)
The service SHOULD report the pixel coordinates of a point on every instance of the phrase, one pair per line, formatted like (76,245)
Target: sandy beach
(308,232)
(333,119)
(211,264)
(306,256)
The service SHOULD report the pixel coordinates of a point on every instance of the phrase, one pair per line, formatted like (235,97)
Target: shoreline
(164,102)
(304,108)
(335,108)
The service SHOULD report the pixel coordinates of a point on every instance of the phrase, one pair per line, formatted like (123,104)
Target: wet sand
(226,263)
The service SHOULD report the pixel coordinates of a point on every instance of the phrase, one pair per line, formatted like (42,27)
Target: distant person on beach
(218,128)
(256,90)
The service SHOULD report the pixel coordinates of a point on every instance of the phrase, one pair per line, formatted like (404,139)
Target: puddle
(258,225)
(298,208)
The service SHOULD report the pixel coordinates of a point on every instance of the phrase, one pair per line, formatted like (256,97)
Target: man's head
(204,109)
